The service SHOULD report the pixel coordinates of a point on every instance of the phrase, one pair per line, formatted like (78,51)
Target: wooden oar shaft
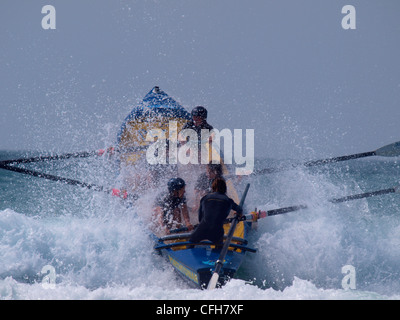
(390,150)
(114,192)
(262,214)
(338,159)
(84,154)
(275,212)
(364,195)
(314,163)
(220,262)
(51,177)
(72,155)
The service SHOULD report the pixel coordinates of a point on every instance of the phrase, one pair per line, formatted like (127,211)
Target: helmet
(175,184)
(199,111)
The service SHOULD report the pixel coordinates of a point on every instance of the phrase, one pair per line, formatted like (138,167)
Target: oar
(390,150)
(114,192)
(218,266)
(83,154)
(71,155)
(262,214)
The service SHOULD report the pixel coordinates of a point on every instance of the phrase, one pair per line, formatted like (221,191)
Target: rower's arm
(158,219)
(186,218)
(237,208)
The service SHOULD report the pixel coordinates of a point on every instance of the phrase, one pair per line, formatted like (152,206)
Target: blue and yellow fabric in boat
(155,112)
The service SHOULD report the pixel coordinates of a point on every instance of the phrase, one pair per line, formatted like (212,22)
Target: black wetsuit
(168,204)
(214,209)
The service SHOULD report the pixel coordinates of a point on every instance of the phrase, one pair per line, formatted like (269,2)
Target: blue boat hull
(196,263)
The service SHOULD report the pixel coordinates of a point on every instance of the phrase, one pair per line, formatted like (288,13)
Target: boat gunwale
(190,244)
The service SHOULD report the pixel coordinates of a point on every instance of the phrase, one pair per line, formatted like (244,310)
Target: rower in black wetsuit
(214,209)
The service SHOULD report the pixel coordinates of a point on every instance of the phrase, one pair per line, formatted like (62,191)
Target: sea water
(59,241)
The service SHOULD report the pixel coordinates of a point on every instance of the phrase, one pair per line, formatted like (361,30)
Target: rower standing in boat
(198,123)
(170,208)
(214,209)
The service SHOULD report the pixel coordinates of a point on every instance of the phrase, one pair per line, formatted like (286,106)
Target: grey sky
(287,69)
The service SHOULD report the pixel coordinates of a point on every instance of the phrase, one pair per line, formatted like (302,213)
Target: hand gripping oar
(262,214)
(390,150)
(218,266)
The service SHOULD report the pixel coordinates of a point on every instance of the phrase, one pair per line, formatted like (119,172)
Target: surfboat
(195,262)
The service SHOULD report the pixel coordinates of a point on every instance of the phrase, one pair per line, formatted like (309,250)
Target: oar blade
(213,281)
(218,266)
(391,150)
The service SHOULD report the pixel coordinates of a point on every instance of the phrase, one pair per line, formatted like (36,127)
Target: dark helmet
(199,111)
(175,184)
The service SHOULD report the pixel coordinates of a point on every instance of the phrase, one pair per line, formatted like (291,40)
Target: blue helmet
(175,184)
